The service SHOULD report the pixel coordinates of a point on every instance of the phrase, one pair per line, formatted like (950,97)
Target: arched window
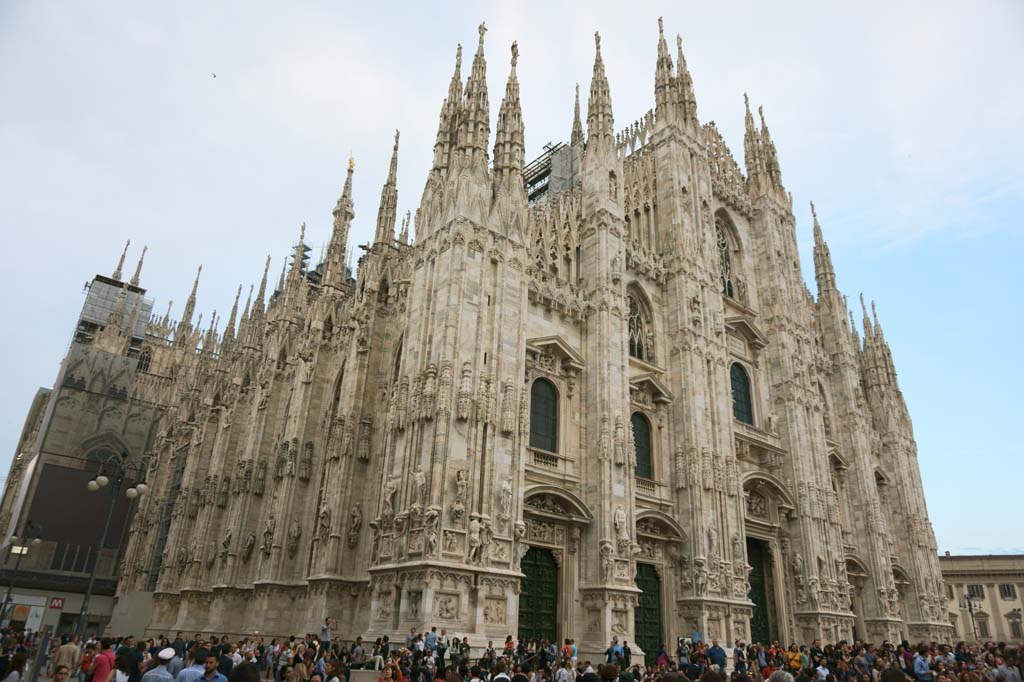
(145,359)
(642,443)
(742,406)
(544,416)
(641,337)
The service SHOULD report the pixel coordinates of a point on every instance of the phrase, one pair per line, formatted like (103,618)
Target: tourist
(67,653)
(103,663)
(195,669)
(160,671)
(61,672)
(16,668)
(716,655)
(85,662)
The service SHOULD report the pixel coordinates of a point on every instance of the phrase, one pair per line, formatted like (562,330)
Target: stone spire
(388,200)
(474,120)
(751,146)
(262,293)
(508,142)
(404,234)
(687,102)
(138,268)
(229,330)
(664,98)
(120,262)
(111,337)
(771,157)
(449,117)
(576,140)
(185,323)
(300,249)
(823,271)
(334,272)
(600,122)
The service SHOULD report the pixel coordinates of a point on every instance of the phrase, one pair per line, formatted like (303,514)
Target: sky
(901,121)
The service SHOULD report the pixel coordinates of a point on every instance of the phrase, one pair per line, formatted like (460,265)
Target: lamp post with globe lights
(121,469)
(30,537)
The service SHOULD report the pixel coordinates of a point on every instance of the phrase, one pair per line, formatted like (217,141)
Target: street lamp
(29,537)
(967,602)
(121,469)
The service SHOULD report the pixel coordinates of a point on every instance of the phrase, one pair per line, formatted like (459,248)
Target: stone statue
(250,543)
(737,548)
(294,535)
(505,499)
(461,492)
(474,540)
(607,562)
(268,534)
(355,522)
(621,529)
(419,486)
(430,531)
(325,522)
(388,509)
(713,545)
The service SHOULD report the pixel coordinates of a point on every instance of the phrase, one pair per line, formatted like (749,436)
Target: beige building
(985,596)
(594,398)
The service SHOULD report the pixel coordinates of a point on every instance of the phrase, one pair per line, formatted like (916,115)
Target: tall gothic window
(544,416)
(641,338)
(642,442)
(145,359)
(742,406)
(724,259)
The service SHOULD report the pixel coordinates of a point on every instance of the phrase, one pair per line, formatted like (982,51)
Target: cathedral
(593,397)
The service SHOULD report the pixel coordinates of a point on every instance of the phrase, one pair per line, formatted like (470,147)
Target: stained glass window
(742,408)
(544,416)
(642,442)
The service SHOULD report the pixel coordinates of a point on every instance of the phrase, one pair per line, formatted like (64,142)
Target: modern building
(986,596)
(51,523)
(594,398)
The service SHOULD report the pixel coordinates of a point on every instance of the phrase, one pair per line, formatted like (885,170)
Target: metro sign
(57,602)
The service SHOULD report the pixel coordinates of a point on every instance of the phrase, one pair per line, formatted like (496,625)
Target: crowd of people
(435,656)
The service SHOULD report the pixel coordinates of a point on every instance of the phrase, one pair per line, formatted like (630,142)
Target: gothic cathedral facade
(594,398)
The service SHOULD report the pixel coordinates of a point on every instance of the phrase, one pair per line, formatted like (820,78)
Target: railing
(546,459)
(646,486)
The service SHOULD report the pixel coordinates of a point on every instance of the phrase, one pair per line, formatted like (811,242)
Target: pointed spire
(334,272)
(448,119)
(663,78)
(874,317)
(751,145)
(474,128)
(771,157)
(687,102)
(404,235)
(824,273)
(299,256)
(600,122)
(120,262)
(280,280)
(138,268)
(229,331)
(388,200)
(868,331)
(190,303)
(508,142)
(576,139)
(262,293)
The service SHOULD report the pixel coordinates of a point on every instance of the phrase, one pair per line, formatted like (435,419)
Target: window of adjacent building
(642,443)
(544,416)
(145,359)
(1016,631)
(641,339)
(976,591)
(1007,591)
(983,631)
(742,406)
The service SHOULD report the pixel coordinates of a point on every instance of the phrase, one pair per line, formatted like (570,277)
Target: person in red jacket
(103,664)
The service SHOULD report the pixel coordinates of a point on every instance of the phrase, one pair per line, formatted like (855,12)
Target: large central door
(647,617)
(760,629)
(538,596)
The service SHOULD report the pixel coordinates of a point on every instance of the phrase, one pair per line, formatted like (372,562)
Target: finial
(746,102)
(661,27)
(482,29)
(302,233)
(597,41)
(120,262)
(760,112)
(351,162)
(515,53)
(458,57)
(679,43)
(874,313)
(813,212)
(396,138)
(138,268)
